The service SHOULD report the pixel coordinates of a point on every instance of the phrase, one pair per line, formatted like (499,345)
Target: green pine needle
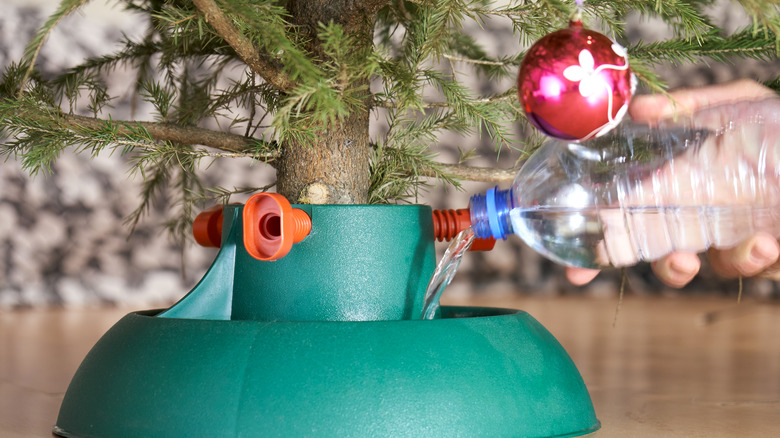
(742,44)
(412,77)
(32,50)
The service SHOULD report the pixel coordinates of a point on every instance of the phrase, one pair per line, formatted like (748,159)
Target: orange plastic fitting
(448,223)
(207,227)
(272,226)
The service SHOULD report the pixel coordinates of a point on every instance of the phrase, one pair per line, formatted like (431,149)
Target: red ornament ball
(575,83)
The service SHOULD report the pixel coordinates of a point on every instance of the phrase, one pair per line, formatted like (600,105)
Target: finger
(651,108)
(581,276)
(750,257)
(677,269)
(772,272)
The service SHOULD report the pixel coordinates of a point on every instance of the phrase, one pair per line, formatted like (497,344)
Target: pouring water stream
(445,270)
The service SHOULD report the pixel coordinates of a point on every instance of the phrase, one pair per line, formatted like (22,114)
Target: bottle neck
(490,214)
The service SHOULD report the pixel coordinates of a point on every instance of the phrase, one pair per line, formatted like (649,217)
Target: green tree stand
(326,341)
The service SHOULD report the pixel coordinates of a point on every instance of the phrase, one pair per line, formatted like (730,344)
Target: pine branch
(742,44)
(471,173)
(234,144)
(454,58)
(222,195)
(131,52)
(429,30)
(464,49)
(300,79)
(493,115)
(531,20)
(34,48)
(508,96)
(339,87)
(41,133)
(187,189)
(155,179)
(649,77)
(683,16)
(400,173)
(766,17)
(267,68)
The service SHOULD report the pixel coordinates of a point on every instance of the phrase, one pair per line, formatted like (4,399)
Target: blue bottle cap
(492,214)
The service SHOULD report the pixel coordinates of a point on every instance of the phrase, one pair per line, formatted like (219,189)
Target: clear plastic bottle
(641,192)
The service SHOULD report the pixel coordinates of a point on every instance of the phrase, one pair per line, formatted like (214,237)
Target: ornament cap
(576,16)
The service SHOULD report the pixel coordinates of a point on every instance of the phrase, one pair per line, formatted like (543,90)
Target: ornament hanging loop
(576,16)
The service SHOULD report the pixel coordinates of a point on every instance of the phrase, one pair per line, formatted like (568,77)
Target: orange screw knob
(271,226)
(207,227)
(448,223)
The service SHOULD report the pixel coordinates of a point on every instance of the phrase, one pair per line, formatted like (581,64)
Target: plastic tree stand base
(206,367)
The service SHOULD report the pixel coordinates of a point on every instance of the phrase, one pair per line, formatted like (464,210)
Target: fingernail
(762,252)
(682,269)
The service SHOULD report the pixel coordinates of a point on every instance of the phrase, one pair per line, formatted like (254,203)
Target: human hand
(757,255)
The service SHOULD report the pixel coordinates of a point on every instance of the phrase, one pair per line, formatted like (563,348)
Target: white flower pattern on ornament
(587,74)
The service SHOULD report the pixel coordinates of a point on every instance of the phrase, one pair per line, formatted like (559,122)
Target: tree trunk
(335,169)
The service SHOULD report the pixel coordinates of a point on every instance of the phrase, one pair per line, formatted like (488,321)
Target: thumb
(650,108)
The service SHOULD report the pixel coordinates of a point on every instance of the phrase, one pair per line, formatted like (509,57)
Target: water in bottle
(641,192)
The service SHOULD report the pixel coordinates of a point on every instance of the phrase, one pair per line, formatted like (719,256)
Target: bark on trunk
(335,169)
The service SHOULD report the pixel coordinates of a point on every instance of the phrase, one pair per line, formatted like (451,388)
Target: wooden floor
(670,367)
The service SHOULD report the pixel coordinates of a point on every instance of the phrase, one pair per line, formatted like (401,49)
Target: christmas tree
(296,84)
